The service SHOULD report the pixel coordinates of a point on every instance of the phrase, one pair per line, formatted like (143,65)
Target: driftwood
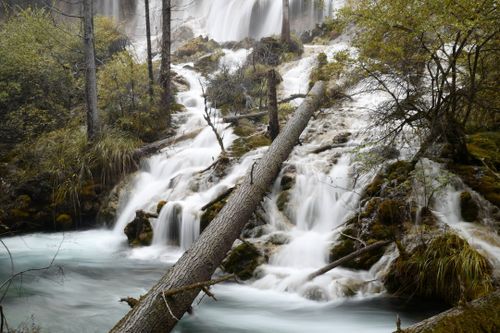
(348,257)
(156,313)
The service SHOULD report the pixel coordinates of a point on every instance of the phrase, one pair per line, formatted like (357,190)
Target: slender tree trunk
(150,55)
(157,313)
(274,125)
(166,97)
(93,128)
(285,24)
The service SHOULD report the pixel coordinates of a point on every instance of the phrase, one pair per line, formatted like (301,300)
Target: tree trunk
(285,24)
(166,97)
(347,258)
(274,125)
(156,313)
(90,72)
(150,55)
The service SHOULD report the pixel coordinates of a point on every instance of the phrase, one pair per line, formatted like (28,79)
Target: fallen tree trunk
(219,198)
(348,257)
(156,146)
(232,119)
(480,315)
(253,115)
(156,313)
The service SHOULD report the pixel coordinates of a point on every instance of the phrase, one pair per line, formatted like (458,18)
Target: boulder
(139,232)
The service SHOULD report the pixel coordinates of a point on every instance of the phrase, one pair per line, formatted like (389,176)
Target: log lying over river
(480,315)
(159,313)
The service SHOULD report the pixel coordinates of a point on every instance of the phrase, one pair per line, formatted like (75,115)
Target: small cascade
(167,176)
(446,189)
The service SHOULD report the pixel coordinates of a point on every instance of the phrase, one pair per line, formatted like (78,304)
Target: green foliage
(327,71)
(123,87)
(435,61)
(108,38)
(447,268)
(36,81)
(65,158)
(485,146)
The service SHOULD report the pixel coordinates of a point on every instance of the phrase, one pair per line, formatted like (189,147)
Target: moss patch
(446,268)
(481,180)
(243,260)
(485,146)
(243,145)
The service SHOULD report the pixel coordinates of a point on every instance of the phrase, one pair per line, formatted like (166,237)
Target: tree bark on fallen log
(232,119)
(156,146)
(199,262)
(480,315)
(219,198)
(348,257)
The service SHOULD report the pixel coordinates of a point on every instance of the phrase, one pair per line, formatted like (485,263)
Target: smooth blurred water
(96,271)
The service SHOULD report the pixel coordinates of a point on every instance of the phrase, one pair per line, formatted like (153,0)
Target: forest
(244,166)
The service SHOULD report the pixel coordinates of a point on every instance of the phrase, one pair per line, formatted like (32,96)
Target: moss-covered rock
(272,51)
(481,315)
(211,211)
(391,212)
(139,232)
(485,146)
(445,268)
(194,49)
(160,205)
(209,63)
(243,145)
(481,180)
(469,208)
(243,260)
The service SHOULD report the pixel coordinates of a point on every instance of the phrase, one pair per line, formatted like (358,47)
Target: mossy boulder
(481,315)
(469,208)
(159,206)
(243,145)
(391,212)
(209,63)
(480,179)
(243,260)
(485,146)
(194,49)
(139,232)
(271,51)
(445,268)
